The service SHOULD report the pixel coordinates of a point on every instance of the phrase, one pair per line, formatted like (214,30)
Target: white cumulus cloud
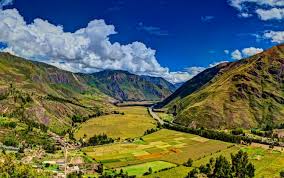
(274,13)
(246,52)
(275,36)
(86,50)
(251,51)
(193,71)
(237,55)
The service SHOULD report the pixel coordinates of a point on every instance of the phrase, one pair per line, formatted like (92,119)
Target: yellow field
(133,123)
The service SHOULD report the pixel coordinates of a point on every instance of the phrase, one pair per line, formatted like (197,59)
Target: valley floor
(165,151)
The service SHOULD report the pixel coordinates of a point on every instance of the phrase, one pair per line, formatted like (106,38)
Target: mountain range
(44,94)
(246,93)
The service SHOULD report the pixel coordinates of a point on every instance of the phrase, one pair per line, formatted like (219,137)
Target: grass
(133,123)
(140,169)
(165,116)
(164,145)
(177,172)
(268,163)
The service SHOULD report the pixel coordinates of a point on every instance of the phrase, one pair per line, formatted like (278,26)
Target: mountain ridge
(246,93)
(124,86)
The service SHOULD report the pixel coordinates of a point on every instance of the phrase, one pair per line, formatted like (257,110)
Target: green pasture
(140,169)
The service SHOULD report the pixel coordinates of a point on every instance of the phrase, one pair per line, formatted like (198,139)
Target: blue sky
(187,36)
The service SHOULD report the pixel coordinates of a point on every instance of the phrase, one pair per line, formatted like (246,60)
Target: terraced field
(164,145)
(133,123)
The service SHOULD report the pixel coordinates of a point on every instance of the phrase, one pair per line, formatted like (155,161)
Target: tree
(100,168)
(241,166)
(150,170)
(250,170)
(121,171)
(193,173)
(188,163)
(222,168)
(282,174)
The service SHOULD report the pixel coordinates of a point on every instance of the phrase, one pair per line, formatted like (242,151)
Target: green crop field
(164,145)
(140,169)
(133,123)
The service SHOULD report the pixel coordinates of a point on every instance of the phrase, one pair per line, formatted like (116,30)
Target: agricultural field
(268,163)
(132,123)
(164,145)
(182,171)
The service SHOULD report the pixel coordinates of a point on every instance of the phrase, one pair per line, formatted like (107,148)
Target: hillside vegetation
(246,93)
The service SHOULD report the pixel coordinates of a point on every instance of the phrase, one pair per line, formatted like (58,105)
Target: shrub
(188,163)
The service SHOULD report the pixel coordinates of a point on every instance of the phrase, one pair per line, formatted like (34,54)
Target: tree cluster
(238,167)
(152,130)
(8,124)
(262,133)
(100,139)
(77,118)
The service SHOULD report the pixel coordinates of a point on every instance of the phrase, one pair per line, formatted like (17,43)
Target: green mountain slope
(125,86)
(44,94)
(246,93)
